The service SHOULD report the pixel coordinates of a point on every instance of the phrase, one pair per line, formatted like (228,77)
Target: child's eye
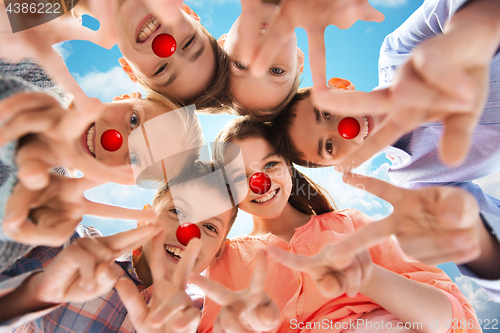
(276,71)
(177,212)
(134,120)
(269,165)
(211,228)
(161,69)
(239,65)
(134,160)
(326,115)
(240,178)
(329,147)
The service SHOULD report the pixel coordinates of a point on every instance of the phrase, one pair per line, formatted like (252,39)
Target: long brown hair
(314,201)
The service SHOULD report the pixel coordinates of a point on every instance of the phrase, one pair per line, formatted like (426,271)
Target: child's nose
(187,231)
(111,140)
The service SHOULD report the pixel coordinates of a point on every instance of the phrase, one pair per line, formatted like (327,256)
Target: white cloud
(106,85)
(64,49)
(484,306)
(389,3)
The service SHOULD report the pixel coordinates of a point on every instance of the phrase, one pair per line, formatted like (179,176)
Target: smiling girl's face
(259,156)
(123,116)
(183,204)
(185,74)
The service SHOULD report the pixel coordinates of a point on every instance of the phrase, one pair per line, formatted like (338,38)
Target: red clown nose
(187,231)
(349,128)
(111,140)
(259,183)
(164,45)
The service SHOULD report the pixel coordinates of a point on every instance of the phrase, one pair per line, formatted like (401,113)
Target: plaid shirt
(103,314)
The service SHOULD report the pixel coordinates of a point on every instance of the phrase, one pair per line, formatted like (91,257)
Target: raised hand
(336,269)
(248,310)
(445,79)
(54,139)
(85,269)
(170,308)
(314,16)
(434,224)
(49,216)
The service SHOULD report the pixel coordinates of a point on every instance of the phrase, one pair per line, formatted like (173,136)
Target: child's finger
(368,13)
(213,290)
(332,285)
(293,261)
(186,264)
(267,316)
(317,58)
(13,105)
(129,240)
(270,47)
(381,189)
(189,320)
(171,307)
(250,25)
(456,138)
(17,209)
(100,172)
(230,323)
(159,259)
(259,274)
(442,247)
(364,238)
(132,300)
(34,174)
(351,103)
(354,277)
(109,211)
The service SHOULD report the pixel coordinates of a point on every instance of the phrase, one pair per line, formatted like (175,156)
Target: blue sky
(351,54)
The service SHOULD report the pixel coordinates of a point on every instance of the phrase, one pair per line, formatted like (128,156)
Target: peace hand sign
(170,308)
(434,224)
(243,311)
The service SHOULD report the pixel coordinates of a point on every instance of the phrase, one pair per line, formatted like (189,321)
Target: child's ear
(300,60)
(220,253)
(127,69)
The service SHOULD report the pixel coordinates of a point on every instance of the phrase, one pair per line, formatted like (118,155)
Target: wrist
(368,283)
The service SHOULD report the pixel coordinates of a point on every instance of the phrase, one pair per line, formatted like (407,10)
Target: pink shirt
(295,293)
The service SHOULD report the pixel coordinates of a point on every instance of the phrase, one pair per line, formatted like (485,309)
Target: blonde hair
(198,170)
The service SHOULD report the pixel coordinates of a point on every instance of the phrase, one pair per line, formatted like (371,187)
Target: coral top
(295,293)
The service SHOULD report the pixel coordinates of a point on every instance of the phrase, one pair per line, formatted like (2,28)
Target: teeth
(267,197)
(365,120)
(148,28)
(174,250)
(90,139)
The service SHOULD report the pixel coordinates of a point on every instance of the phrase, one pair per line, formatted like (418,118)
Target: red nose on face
(111,140)
(187,231)
(164,45)
(259,183)
(349,128)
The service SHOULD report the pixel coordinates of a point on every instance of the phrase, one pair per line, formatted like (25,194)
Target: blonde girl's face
(175,208)
(272,88)
(123,116)
(185,74)
(259,156)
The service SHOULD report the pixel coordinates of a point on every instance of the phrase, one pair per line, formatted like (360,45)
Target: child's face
(315,134)
(259,156)
(185,204)
(185,74)
(273,88)
(123,116)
